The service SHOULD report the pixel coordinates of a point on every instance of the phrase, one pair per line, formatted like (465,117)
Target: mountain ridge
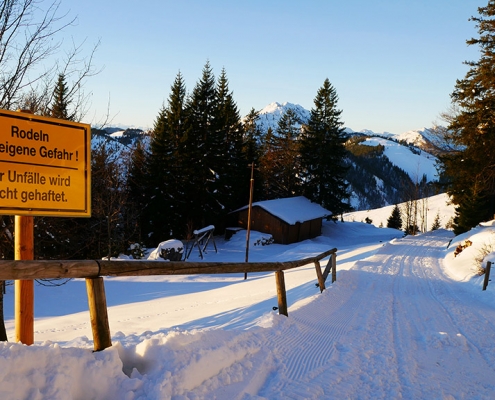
(423,138)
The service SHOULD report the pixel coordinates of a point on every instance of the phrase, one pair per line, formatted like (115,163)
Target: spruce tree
(436,223)
(252,142)
(231,165)
(137,187)
(470,170)
(52,232)
(267,167)
(252,137)
(323,153)
(61,100)
(201,153)
(282,161)
(395,219)
(168,203)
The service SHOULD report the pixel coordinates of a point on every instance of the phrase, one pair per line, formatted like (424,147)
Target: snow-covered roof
(292,209)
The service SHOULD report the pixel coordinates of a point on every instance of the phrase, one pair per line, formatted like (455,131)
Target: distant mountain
(382,166)
(425,138)
(271,114)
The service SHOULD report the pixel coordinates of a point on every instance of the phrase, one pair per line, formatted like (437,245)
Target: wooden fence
(94,270)
(487,274)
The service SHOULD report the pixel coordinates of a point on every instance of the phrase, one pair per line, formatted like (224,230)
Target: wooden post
(321,281)
(98,313)
(487,274)
(334,267)
(281,295)
(250,207)
(24,289)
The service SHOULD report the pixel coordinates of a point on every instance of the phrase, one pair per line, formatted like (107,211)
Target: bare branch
(29,35)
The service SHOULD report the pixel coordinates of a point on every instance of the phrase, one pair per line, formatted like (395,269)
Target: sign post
(24,289)
(45,170)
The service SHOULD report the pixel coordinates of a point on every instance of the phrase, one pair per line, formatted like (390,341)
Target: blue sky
(393,63)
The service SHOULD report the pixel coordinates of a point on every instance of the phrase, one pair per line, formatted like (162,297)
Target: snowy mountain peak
(280,108)
(271,114)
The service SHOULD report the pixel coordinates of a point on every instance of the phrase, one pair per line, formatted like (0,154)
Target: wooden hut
(288,220)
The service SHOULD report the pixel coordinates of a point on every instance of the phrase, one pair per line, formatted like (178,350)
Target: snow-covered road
(394,327)
(398,323)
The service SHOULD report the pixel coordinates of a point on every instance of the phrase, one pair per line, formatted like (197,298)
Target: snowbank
(474,249)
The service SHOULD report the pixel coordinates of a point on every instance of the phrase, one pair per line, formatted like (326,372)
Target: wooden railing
(94,270)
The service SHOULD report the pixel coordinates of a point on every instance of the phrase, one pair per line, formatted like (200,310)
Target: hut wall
(282,232)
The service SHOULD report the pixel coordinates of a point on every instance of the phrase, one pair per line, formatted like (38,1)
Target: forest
(193,168)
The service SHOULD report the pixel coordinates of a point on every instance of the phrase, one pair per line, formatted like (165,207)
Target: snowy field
(435,205)
(405,319)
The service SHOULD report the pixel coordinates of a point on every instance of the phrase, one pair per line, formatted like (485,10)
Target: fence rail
(94,270)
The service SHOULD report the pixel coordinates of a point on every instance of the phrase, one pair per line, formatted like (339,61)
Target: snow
(273,112)
(405,319)
(292,209)
(416,137)
(415,165)
(203,230)
(434,205)
(175,244)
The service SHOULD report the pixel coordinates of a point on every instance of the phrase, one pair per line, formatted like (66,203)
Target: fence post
(487,274)
(321,281)
(334,267)
(98,313)
(281,295)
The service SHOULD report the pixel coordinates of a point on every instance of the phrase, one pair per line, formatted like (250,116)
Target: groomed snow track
(389,325)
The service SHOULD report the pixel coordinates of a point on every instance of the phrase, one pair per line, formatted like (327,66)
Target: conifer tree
(138,190)
(395,219)
(105,236)
(436,223)
(267,166)
(51,232)
(61,100)
(470,170)
(231,166)
(323,153)
(253,139)
(253,136)
(201,151)
(167,200)
(280,160)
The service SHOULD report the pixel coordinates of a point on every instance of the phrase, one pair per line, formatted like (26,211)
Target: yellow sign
(45,166)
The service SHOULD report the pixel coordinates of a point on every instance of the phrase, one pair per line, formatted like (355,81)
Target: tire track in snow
(475,320)
(319,334)
(429,341)
(392,327)
(361,348)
